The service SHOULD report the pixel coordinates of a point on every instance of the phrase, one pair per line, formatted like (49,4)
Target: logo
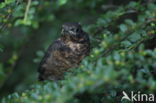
(140,97)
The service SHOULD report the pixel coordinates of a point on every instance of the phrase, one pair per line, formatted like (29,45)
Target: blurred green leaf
(62,2)
(123,27)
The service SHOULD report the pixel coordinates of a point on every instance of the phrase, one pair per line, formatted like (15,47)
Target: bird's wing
(58,49)
(46,55)
(53,47)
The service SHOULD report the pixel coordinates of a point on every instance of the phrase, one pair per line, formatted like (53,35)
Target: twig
(100,29)
(27,10)
(108,7)
(129,32)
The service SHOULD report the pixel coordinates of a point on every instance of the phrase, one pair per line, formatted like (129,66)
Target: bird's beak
(62,32)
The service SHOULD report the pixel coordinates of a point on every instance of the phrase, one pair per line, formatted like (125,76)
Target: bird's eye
(77,30)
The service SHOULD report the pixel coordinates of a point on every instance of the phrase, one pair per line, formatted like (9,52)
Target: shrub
(120,60)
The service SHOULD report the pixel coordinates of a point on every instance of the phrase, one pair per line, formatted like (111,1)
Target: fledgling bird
(64,53)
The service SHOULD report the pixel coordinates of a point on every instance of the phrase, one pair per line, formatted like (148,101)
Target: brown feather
(65,53)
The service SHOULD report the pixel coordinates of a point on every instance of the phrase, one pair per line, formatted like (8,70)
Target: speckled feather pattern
(63,54)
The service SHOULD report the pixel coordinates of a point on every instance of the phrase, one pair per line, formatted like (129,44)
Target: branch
(128,32)
(27,10)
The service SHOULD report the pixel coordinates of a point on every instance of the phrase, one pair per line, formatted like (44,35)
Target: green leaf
(126,43)
(135,37)
(123,27)
(40,53)
(62,2)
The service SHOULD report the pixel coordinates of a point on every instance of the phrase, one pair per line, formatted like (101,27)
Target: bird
(64,53)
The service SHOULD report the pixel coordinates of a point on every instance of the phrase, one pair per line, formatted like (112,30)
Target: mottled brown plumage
(65,53)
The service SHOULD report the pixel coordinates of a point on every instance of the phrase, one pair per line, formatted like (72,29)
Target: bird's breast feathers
(74,46)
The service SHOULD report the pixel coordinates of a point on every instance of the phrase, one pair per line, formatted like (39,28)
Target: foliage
(122,58)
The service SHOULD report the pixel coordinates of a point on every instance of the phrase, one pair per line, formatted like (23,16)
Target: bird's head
(71,29)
